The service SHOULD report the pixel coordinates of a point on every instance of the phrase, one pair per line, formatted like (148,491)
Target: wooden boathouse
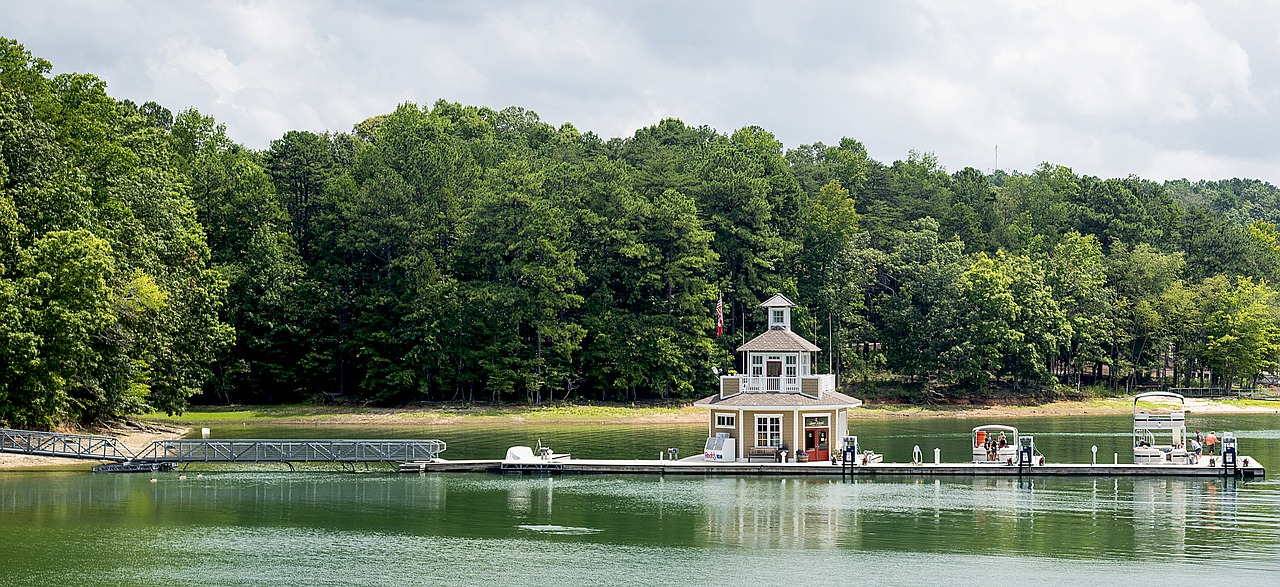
(778,404)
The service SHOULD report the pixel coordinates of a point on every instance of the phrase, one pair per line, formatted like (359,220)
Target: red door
(773,376)
(815,443)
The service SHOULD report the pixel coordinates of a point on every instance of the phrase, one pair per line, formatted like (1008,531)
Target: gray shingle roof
(778,400)
(779,340)
(777,301)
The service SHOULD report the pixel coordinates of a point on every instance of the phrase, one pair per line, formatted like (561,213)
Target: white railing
(750,384)
(759,384)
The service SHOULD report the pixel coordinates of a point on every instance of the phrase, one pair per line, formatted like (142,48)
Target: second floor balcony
(810,385)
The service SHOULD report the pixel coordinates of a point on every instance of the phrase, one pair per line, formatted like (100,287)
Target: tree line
(461,253)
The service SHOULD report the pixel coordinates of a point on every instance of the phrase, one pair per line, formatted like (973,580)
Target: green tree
(1075,270)
(1243,334)
(833,269)
(55,313)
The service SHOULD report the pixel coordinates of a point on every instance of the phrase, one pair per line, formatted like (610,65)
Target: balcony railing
(770,384)
(811,385)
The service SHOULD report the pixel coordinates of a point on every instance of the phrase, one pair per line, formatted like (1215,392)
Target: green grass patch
(208,415)
(1083,406)
(1253,403)
(264,414)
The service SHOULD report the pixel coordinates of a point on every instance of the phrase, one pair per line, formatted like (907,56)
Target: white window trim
(756,431)
(733,420)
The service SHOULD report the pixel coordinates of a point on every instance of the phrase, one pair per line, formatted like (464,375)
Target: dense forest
(461,253)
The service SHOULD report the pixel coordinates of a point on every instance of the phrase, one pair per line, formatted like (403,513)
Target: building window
(724,421)
(791,366)
(777,317)
(757,366)
(769,431)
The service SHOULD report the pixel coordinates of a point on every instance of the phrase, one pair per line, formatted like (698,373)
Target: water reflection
(270,527)
(1230,527)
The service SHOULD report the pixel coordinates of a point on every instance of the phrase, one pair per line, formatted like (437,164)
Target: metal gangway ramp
(169,453)
(57,444)
(291,451)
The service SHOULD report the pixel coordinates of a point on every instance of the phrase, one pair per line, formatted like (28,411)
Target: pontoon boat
(1160,435)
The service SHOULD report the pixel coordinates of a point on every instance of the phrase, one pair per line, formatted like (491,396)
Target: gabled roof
(778,400)
(778,301)
(779,340)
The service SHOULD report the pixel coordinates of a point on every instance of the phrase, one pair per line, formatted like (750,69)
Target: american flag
(720,316)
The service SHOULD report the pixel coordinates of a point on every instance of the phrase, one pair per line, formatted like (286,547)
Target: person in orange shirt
(1210,441)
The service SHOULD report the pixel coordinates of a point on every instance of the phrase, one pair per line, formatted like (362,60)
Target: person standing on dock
(1209,441)
(1196,448)
(1199,437)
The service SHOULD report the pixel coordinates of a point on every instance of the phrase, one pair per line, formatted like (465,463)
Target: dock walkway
(696,466)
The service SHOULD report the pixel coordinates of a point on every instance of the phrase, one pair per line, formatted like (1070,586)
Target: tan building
(779,402)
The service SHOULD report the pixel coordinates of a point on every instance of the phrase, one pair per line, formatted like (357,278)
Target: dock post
(1095,454)
(937,456)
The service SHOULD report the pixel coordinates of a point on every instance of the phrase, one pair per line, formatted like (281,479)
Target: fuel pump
(851,450)
(1229,449)
(1026,451)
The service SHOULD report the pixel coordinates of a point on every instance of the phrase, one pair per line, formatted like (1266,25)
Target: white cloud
(187,64)
(1165,88)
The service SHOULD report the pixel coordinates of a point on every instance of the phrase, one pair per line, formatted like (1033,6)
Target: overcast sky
(1159,88)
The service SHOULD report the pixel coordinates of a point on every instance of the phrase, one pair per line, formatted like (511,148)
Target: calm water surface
(273,527)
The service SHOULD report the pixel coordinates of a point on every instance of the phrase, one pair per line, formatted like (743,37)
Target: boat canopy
(995,428)
(1155,394)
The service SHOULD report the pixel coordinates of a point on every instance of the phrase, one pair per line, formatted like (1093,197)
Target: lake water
(269,526)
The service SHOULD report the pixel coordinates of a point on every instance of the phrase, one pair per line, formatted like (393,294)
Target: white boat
(523,457)
(1160,434)
(860,457)
(995,444)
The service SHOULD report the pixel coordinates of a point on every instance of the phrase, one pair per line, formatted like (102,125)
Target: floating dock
(423,456)
(696,466)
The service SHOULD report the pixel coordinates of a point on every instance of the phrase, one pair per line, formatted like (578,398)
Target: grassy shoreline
(625,414)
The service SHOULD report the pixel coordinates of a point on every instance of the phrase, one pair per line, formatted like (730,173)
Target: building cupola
(778,312)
